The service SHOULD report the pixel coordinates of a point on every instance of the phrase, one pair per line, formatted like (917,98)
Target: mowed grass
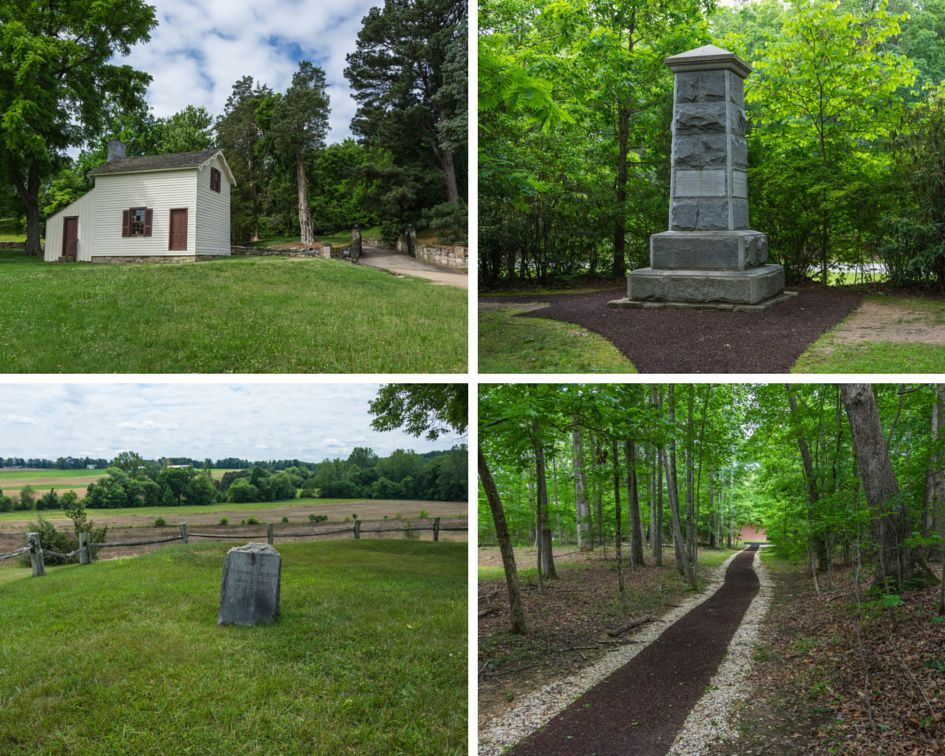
(512,344)
(872,357)
(125,656)
(254,315)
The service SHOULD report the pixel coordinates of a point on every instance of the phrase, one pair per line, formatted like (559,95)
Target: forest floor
(570,624)
(815,688)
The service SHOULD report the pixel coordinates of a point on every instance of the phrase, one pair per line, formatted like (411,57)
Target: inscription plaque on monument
(249,594)
(709,256)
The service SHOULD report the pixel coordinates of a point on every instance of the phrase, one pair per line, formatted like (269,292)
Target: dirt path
(641,707)
(403,265)
(704,341)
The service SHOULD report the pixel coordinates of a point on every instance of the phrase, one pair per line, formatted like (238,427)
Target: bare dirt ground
(569,626)
(876,320)
(828,678)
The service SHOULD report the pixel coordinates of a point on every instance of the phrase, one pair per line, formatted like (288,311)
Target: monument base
(634,304)
(708,250)
(705,287)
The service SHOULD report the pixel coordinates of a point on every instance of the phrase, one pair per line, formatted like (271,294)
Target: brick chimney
(116,149)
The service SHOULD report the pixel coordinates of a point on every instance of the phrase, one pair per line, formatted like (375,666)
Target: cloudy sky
(201,47)
(253,421)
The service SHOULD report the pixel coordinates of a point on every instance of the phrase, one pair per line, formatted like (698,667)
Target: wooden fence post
(269,534)
(436,528)
(357,530)
(36,554)
(183,533)
(85,548)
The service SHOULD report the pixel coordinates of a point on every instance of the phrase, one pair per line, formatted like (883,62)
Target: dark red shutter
(126,222)
(148,213)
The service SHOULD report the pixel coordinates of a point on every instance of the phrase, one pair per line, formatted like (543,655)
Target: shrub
(285,520)
(63,541)
(252,521)
(160,522)
(224,521)
(424,515)
(413,535)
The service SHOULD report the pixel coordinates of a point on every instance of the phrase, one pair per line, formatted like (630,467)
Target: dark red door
(178,230)
(70,237)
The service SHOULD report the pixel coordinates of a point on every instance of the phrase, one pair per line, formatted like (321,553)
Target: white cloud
(254,421)
(201,47)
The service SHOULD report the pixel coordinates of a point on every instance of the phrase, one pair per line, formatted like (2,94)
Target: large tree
(408,74)
(299,127)
(59,84)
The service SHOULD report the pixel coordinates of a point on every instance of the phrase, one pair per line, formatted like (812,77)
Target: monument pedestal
(754,288)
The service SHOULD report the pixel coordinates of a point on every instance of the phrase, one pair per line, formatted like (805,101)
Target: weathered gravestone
(709,256)
(252,575)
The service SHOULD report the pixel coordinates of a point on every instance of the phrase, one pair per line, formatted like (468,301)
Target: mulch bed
(668,340)
(640,708)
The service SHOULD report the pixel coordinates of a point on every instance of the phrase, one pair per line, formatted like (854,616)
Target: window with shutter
(137,221)
(215,179)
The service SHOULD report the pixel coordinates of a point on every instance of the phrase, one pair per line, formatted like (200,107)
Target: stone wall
(12,245)
(449,257)
(105,259)
(325,251)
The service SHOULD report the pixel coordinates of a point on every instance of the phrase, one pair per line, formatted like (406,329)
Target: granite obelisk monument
(709,256)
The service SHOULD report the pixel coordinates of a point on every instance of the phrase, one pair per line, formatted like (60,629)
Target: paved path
(640,708)
(404,265)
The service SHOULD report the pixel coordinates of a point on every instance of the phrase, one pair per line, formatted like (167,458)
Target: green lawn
(872,357)
(510,344)
(254,315)
(125,656)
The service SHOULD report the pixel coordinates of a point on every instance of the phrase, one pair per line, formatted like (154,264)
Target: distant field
(297,510)
(12,481)
(125,655)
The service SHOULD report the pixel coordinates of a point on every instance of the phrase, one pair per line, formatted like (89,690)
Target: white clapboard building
(155,207)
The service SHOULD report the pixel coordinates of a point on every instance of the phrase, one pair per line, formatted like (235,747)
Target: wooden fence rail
(86,547)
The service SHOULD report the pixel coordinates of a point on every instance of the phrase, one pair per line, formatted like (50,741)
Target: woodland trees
(59,86)
(844,106)
(834,474)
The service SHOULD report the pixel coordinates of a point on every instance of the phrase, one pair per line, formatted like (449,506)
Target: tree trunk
(305,212)
(633,505)
(658,531)
(516,611)
(547,561)
(599,457)
(889,522)
(672,486)
(619,268)
(690,475)
(449,174)
(28,192)
(617,533)
(582,509)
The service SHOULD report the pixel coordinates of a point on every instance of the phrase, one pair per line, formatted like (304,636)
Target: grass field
(256,315)
(125,656)
(510,344)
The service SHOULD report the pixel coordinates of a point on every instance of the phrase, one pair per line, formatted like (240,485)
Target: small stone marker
(249,595)
(709,255)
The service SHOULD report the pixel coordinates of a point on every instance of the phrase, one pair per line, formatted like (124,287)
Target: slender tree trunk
(890,525)
(547,561)
(673,488)
(305,212)
(581,507)
(28,192)
(599,458)
(617,534)
(633,505)
(658,532)
(516,611)
(619,268)
(690,476)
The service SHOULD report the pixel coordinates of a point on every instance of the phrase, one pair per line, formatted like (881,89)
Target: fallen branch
(626,628)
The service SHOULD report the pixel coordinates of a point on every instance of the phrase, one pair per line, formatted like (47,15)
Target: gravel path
(638,699)
(668,340)
(402,264)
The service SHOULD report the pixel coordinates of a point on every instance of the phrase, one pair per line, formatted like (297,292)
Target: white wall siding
(213,212)
(82,207)
(161,191)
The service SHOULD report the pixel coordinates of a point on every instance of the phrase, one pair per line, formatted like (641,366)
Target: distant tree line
(132,481)
(60,463)
(83,463)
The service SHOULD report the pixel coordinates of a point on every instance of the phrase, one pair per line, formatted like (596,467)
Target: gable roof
(150,163)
